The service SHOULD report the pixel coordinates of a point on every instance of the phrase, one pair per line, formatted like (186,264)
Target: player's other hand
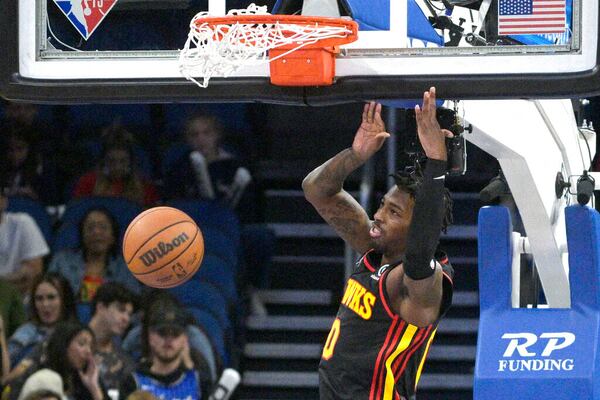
(431,136)
(371,133)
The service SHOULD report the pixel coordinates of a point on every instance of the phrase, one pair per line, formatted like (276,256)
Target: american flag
(522,17)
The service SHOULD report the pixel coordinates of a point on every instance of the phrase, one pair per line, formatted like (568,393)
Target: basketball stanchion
(538,353)
(300,49)
(163,247)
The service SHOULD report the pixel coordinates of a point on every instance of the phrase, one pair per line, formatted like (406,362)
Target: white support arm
(519,134)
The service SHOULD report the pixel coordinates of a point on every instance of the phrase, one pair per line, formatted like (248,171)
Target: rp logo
(85,15)
(523,340)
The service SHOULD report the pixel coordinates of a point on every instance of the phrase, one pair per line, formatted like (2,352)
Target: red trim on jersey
(418,344)
(394,330)
(401,357)
(390,350)
(367,263)
(448,277)
(382,294)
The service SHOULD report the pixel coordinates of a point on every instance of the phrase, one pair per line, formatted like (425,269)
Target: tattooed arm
(323,187)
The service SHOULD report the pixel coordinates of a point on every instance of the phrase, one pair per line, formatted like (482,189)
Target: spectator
(11,308)
(141,395)
(215,173)
(112,308)
(43,395)
(23,171)
(218,174)
(199,340)
(52,302)
(170,367)
(22,248)
(23,116)
(116,175)
(45,384)
(97,259)
(69,353)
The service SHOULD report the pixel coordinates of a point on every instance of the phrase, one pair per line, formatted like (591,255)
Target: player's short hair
(410,179)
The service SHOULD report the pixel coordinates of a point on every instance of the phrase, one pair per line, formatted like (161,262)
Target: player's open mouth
(375,231)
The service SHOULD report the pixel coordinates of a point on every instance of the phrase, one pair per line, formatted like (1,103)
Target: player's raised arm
(421,283)
(323,187)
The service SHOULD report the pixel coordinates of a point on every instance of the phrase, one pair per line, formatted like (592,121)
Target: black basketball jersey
(371,353)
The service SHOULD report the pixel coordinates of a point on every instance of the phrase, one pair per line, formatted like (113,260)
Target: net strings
(220,50)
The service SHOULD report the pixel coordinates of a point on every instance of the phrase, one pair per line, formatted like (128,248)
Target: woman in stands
(70,353)
(116,175)
(23,172)
(52,302)
(97,259)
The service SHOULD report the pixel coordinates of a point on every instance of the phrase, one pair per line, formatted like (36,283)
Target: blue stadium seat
(84,312)
(217,243)
(67,236)
(203,295)
(219,273)
(100,115)
(171,155)
(213,214)
(36,210)
(213,329)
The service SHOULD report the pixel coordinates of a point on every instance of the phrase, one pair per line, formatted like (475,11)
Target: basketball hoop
(300,49)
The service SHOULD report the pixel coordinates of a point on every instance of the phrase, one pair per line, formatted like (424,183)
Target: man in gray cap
(168,369)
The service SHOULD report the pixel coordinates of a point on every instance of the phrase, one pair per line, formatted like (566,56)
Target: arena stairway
(283,348)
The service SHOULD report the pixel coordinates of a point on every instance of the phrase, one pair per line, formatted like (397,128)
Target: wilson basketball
(163,247)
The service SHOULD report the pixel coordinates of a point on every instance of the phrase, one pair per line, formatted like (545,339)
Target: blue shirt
(185,387)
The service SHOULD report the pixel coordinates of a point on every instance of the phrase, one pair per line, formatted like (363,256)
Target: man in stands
(22,248)
(169,370)
(112,306)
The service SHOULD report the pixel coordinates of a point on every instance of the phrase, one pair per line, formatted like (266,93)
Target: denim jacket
(71,265)
(24,340)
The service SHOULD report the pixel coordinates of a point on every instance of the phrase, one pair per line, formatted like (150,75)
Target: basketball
(163,247)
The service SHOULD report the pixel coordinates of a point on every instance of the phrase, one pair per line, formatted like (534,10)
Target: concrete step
(323,323)
(299,297)
(291,206)
(316,230)
(313,351)
(311,380)
(324,297)
(316,259)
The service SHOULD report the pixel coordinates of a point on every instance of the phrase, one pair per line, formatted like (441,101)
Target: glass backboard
(72,51)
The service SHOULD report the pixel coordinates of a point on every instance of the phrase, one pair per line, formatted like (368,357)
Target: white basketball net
(220,50)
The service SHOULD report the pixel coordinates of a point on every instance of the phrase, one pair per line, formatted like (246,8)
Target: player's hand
(371,133)
(431,136)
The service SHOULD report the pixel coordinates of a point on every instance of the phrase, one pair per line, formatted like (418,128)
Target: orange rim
(254,19)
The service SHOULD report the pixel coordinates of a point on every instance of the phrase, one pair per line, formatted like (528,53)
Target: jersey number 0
(332,339)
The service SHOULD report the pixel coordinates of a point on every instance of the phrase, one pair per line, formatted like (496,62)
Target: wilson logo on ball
(162,249)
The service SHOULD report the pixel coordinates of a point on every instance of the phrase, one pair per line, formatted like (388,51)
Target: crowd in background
(70,320)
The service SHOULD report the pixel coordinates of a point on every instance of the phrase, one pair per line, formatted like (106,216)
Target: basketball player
(398,291)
